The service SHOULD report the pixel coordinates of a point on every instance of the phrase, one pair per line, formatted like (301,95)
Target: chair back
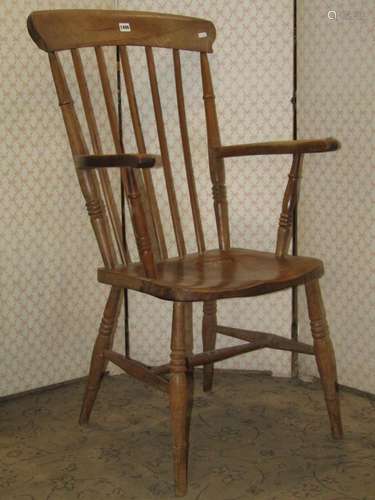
(71,30)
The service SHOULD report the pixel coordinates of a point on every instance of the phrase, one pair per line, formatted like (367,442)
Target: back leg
(325,355)
(189,348)
(179,397)
(209,324)
(98,362)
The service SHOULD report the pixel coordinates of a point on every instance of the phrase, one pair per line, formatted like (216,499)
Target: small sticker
(203,34)
(124,27)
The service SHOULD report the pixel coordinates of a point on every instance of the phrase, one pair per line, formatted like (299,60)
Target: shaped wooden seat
(205,276)
(216,274)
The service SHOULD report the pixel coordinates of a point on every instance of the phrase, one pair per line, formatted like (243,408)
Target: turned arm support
(289,203)
(291,194)
(138,160)
(277,148)
(86,164)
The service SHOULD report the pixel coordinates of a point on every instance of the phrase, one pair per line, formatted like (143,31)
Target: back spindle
(87,179)
(97,148)
(131,179)
(137,127)
(118,143)
(187,153)
(165,154)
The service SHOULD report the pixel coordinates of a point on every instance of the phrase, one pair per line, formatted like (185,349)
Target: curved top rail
(54,30)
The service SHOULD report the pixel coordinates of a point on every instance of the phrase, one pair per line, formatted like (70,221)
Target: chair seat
(216,274)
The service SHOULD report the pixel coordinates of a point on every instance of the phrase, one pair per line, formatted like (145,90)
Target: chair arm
(277,148)
(138,160)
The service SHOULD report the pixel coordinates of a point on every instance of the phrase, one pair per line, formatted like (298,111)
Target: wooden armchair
(204,276)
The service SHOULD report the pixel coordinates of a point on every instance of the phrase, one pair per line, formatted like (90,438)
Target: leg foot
(325,356)
(98,363)
(179,398)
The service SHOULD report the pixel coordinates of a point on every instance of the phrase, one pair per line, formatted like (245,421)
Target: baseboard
(268,373)
(38,390)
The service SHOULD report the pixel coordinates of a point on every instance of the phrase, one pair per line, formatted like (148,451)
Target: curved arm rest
(137,160)
(278,148)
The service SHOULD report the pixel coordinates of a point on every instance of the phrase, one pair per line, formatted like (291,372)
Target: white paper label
(124,27)
(203,34)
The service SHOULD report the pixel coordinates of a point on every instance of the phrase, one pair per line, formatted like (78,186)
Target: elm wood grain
(216,274)
(325,355)
(97,147)
(271,340)
(138,132)
(54,30)
(137,370)
(98,362)
(134,160)
(277,148)
(203,276)
(209,329)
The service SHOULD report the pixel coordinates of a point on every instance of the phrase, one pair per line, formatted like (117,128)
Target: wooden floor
(253,437)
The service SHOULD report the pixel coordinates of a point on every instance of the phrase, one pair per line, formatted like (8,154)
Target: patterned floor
(253,437)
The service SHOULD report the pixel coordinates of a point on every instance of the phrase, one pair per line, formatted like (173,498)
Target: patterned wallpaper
(252,68)
(337,96)
(51,303)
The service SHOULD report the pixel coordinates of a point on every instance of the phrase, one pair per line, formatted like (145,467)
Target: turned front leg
(98,361)
(325,355)
(179,397)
